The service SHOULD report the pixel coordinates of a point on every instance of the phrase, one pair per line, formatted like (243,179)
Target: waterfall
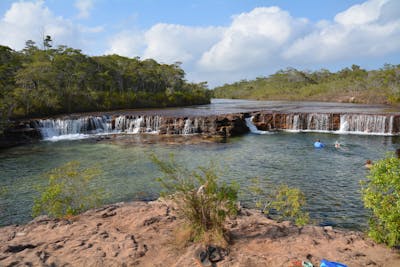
(86,126)
(73,128)
(153,124)
(135,125)
(366,124)
(372,124)
(318,122)
(187,127)
(57,129)
(293,123)
(252,127)
(190,127)
(296,123)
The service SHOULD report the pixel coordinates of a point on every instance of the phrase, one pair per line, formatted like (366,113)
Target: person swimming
(368,164)
(319,144)
(337,144)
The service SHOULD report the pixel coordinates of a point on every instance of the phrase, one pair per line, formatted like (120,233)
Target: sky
(218,41)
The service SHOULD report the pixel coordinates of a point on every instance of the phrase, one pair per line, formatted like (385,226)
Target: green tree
(349,84)
(381,195)
(49,81)
(68,191)
(9,64)
(47,42)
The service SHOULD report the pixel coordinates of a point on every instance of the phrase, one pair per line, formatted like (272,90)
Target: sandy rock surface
(142,234)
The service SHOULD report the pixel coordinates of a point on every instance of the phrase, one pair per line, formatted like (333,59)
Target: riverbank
(142,234)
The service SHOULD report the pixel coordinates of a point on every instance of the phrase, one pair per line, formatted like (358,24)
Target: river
(329,177)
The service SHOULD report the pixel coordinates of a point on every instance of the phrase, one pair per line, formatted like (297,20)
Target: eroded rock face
(19,134)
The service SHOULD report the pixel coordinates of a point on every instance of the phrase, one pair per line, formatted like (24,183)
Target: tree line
(49,81)
(352,84)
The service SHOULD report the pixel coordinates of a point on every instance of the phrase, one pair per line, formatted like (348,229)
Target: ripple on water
(329,177)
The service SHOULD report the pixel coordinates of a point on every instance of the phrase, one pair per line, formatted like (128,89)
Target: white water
(253,128)
(366,124)
(82,126)
(361,124)
(85,127)
(193,126)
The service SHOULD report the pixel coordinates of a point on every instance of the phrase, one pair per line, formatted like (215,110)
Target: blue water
(329,177)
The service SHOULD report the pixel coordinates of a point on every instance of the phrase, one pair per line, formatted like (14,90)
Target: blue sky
(218,41)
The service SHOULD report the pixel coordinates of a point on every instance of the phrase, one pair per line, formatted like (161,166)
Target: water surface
(329,177)
(228,106)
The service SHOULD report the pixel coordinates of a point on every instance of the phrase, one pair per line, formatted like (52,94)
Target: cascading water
(318,122)
(191,126)
(73,128)
(76,128)
(371,124)
(366,124)
(58,129)
(253,128)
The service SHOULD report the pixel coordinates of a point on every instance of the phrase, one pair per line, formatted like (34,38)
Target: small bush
(202,202)
(381,195)
(67,192)
(287,201)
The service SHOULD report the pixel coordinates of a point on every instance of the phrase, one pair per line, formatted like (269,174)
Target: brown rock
(126,240)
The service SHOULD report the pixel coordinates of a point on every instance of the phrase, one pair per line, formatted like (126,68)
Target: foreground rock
(142,234)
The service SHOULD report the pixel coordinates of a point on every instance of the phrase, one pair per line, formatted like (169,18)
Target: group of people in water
(319,144)
(368,163)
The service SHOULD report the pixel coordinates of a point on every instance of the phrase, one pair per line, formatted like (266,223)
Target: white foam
(253,128)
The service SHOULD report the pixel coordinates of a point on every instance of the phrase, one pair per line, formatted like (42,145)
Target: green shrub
(67,192)
(202,202)
(381,195)
(287,201)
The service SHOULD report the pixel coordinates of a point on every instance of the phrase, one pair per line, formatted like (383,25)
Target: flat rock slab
(143,234)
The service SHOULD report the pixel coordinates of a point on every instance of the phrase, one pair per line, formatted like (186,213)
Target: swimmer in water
(318,144)
(368,164)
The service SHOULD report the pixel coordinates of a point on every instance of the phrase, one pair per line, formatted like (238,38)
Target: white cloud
(84,7)
(361,14)
(268,38)
(253,39)
(32,20)
(169,43)
(255,43)
(127,43)
(362,31)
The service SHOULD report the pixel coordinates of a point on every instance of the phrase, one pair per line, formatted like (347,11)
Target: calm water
(225,106)
(329,177)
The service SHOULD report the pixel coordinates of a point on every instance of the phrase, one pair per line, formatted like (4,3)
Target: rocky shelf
(144,234)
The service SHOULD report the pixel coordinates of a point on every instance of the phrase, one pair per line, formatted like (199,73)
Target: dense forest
(354,85)
(48,81)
